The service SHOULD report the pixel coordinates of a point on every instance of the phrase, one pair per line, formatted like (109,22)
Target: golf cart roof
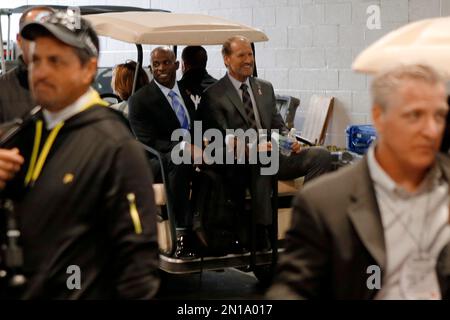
(157,28)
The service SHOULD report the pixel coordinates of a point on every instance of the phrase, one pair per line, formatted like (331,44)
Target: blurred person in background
(122,83)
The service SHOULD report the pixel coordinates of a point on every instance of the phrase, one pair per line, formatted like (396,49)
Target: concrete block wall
(312,44)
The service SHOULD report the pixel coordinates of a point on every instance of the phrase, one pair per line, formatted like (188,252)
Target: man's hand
(10,162)
(296,147)
(196,153)
(264,147)
(237,147)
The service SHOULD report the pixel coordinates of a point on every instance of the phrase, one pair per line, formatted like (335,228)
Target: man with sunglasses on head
(84,192)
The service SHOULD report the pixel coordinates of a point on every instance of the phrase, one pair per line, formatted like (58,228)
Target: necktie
(179,110)
(248,106)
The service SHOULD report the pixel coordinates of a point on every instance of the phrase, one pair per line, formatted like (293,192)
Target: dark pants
(179,179)
(309,163)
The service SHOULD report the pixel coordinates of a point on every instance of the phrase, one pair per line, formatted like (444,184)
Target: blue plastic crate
(359,137)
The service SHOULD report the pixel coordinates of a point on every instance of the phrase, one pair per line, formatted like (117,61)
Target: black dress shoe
(184,251)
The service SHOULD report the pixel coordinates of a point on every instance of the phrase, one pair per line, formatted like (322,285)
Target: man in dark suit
(195,77)
(240,101)
(156,111)
(379,229)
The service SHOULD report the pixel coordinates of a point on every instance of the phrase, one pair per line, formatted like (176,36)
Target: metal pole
(138,66)
(1,46)
(8,51)
(255,70)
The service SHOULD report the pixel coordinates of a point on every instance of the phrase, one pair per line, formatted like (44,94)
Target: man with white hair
(382,230)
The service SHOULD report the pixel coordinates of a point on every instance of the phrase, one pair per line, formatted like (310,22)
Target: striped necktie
(179,110)
(248,106)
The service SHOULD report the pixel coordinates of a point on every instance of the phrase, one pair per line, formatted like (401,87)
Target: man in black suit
(240,101)
(195,77)
(156,111)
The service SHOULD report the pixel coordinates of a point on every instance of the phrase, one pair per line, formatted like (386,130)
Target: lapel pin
(196,100)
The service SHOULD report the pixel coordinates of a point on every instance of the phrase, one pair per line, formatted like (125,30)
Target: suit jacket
(335,236)
(153,119)
(222,108)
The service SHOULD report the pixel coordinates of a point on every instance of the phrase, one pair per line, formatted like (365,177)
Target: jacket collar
(232,94)
(258,95)
(365,214)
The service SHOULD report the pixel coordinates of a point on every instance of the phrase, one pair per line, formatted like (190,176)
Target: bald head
(163,49)
(164,66)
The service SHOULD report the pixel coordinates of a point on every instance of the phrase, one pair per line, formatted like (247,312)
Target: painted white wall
(312,44)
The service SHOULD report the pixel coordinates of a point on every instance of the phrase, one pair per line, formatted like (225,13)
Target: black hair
(194,57)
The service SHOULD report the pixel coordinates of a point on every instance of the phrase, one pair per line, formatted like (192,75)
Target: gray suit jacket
(336,233)
(222,108)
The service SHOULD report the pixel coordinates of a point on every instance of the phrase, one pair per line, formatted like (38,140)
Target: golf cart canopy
(84,10)
(168,28)
(155,28)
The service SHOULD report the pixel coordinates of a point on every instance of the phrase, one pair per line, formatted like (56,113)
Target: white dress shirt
(411,222)
(53,118)
(175,89)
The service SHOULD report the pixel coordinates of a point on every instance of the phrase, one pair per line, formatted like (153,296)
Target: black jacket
(153,119)
(80,212)
(195,81)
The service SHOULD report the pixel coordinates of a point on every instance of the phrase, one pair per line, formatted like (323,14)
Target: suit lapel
(443,262)
(164,108)
(365,214)
(259,97)
(232,95)
(171,114)
(187,102)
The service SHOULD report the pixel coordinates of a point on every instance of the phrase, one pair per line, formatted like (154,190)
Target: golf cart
(157,27)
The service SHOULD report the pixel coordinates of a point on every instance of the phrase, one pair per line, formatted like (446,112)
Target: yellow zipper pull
(134,213)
